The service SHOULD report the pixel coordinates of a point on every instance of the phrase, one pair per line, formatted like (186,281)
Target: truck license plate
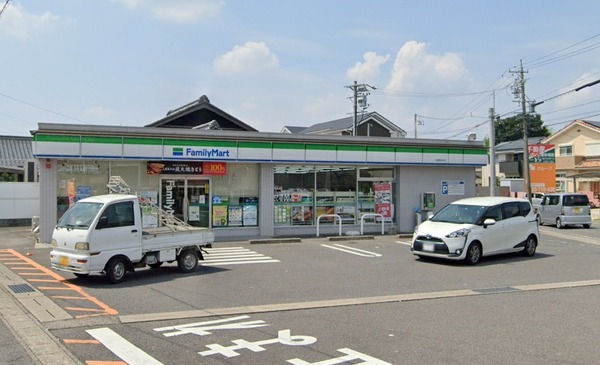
(63,261)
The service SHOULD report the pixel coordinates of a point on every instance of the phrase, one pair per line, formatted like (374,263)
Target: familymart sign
(147,148)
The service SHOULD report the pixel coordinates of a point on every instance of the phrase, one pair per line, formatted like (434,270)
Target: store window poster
(219,216)
(235,215)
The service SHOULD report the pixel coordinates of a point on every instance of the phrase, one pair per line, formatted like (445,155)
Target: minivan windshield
(79,216)
(575,200)
(460,214)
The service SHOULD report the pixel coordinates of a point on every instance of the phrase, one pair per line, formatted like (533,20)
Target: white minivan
(565,209)
(471,228)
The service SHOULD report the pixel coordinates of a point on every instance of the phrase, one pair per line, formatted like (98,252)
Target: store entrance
(187,198)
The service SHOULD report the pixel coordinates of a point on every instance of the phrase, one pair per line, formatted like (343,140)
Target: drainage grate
(21,288)
(506,289)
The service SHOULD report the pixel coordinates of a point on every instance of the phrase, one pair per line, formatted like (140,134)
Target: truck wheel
(116,270)
(187,261)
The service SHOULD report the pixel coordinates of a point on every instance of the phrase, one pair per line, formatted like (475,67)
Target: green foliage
(7,177)
(511,129)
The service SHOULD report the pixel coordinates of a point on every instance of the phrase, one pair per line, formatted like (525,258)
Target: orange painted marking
(33,274)
(42,281)
(67,297)
(83,309)
(54,287)
(80,342)
(107,310)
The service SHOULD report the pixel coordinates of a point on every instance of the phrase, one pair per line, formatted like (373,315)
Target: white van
(471,228)
(565,209)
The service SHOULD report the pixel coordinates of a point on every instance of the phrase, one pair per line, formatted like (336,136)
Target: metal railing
(374,215)
(329,215)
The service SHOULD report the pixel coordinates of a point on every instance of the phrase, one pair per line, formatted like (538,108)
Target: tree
(511,129)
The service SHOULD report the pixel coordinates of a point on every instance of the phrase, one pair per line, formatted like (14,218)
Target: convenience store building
(244,183)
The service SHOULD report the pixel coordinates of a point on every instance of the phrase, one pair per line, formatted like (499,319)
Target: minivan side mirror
(102,222)
(488,222)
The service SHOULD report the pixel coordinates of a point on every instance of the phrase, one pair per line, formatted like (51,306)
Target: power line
(3,8)
(44,109)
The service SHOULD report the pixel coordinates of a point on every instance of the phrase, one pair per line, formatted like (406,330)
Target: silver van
(565,209)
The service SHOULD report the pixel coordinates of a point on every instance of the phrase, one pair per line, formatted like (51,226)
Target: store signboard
(542,168)
(125,146)
(172,167)
(186,168)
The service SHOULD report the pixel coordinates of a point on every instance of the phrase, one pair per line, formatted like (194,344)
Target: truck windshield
(79,216)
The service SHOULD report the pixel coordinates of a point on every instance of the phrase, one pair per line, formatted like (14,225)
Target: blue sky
(277,63)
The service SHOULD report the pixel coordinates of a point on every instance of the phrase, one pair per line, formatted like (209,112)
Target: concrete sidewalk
(24,339)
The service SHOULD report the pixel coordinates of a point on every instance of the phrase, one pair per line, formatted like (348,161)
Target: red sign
(214,168)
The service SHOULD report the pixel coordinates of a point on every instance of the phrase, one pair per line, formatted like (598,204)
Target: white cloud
(19,23)
(415,69)
(177,11)
(368,69)
(252,57)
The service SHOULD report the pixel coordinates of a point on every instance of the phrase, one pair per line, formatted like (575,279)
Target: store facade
(252,184)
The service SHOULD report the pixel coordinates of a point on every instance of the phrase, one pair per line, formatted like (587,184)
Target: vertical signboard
(542,168)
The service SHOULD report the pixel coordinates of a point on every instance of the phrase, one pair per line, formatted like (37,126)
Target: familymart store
(252,184)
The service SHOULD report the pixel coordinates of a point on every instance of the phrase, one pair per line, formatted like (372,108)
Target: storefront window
(235,196)
(294,190)
(78,180)
(304,193)
(376,193)
(336,193)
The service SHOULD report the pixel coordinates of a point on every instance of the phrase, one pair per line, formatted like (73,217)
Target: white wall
(19,200)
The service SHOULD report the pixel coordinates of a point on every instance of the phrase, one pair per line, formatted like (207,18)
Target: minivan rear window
(575,200)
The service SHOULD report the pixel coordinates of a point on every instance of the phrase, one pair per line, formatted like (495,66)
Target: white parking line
(124,349)
(233,256)
(353,250)
(404,243)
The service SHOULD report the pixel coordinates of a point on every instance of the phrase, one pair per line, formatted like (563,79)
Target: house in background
(577,157)
(16,159)
(370,124)
(201,115)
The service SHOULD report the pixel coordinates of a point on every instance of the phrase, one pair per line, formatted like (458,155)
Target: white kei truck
(104,234)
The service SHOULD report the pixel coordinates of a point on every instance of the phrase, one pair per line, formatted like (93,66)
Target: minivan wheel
(559,223)
(530,246)
(473,254)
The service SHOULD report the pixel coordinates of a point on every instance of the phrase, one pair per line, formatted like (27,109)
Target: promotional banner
(186,168)
(542,168)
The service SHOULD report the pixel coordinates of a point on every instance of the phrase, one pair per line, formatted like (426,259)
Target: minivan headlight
(463,232)
(82,246)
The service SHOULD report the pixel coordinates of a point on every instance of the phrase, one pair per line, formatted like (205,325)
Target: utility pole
(492,153)
(526,173)
(359,91)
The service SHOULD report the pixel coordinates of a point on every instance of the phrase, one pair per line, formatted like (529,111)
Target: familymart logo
(201,152)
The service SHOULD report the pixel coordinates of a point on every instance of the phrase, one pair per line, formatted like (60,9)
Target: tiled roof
(14,151)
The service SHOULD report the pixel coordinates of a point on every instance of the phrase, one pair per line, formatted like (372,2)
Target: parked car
(471,228)
(564,209)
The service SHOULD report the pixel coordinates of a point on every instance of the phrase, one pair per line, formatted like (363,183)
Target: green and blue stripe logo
(177,151)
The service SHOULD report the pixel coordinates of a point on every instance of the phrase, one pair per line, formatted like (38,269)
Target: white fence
(19,200)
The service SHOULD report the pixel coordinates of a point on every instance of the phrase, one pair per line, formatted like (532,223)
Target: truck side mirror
(102,222)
